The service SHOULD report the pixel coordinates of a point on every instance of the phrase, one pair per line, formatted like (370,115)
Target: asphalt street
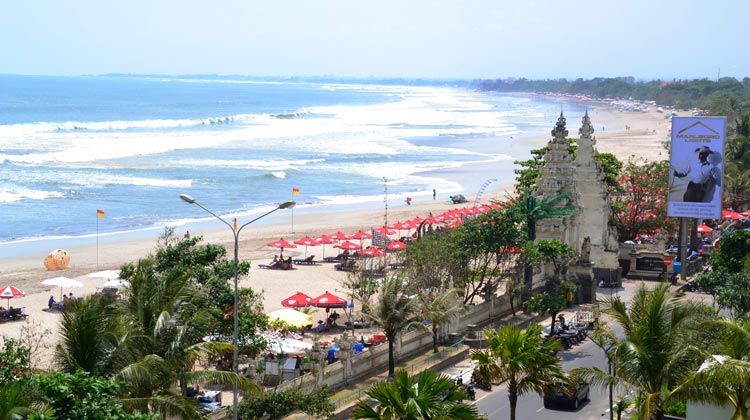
(495,403)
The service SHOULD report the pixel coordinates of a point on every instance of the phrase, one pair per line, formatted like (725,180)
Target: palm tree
(428,395)
(520,358)
(725,377)
(654,356)
(395,313)
(150,343)
(532,209)
(439,309)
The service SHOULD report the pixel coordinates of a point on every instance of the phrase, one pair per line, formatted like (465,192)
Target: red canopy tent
(297,300)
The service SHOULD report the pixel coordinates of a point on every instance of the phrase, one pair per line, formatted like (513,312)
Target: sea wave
(121,125)
(24,193)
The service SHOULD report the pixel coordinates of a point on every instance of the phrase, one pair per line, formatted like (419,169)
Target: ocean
(130,145)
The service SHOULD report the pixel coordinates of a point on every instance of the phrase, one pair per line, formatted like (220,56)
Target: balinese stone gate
(588,231)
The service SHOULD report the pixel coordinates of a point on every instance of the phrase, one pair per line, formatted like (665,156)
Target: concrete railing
(353,368)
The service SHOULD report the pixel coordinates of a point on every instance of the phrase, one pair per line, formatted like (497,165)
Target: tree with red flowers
(639,206)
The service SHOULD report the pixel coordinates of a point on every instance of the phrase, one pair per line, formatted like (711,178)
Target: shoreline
(647,131)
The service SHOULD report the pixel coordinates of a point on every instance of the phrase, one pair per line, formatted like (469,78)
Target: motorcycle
(481,384)
(470,392)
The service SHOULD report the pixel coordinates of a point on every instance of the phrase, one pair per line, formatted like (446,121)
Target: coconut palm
(150,343)
(532,209)
(520,358)
(724,377)
(394,313)
(439,309)
(654,355)
(428,395)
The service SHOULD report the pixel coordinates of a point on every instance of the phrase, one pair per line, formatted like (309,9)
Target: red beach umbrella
(372,252)
(339,236)
(297,300)
(351,246)
(395,246)
(360,234)
(9,292)
(728,214)
(323,240)
(703,228)
(384,231)
(282,243)
(307,241)
(399,226)
(328,300)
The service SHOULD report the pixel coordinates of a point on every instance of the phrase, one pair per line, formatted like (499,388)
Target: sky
(467,39)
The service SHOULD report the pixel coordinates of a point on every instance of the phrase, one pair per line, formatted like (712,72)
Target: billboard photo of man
(704,176)
(696,167)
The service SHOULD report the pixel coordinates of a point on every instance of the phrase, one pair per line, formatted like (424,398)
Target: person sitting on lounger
(51,302)
(276,263)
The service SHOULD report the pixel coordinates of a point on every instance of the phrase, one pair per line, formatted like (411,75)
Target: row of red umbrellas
(326,300)
(451,218)
(346,245)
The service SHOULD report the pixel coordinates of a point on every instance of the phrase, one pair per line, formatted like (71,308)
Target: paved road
(530,407)
(495,403)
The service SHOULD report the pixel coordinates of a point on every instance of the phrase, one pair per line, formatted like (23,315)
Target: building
(588,231)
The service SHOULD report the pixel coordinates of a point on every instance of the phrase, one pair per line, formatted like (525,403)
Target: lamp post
(236,232)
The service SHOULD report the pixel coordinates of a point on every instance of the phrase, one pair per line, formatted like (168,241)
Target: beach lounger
(307,261)
(346,266)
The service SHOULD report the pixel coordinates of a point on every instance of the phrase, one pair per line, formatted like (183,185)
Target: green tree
(488,246)
(655,354)
(729,278)
(439,308)
(639,206)
(435,259)
(149,343)
(428,395)
(725,378)
(279,404)
(521,359)
(81,396)
(611,170)
(531,209)
(17,393)
(552,299)
(394,313)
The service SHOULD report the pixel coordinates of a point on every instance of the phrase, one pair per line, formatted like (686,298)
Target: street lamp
(236,231)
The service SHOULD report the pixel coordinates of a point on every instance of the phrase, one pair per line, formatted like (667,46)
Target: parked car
(567,397)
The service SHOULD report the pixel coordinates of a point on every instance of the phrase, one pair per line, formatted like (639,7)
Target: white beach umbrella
(106,274)
(62,282)
(116,284)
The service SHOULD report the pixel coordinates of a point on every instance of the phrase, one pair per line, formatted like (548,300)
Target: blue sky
(386,38)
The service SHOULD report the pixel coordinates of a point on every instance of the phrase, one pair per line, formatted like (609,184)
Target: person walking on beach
(434,193)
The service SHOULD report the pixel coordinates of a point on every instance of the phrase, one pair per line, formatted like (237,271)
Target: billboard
(696,167)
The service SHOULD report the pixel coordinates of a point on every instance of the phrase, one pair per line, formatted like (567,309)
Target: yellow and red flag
(295,191)
(100,214)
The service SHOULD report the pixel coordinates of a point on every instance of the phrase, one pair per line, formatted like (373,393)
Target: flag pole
(97,238)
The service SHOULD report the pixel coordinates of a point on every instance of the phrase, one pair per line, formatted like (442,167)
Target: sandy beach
(643,139)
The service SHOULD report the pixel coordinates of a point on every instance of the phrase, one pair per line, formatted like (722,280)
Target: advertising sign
(696,167)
